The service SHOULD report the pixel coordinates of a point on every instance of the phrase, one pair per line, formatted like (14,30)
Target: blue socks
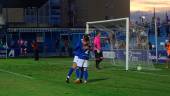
(70,72)
(77,72)
(85,74)
(80,73)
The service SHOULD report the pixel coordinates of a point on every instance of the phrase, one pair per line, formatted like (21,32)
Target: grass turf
(25,77)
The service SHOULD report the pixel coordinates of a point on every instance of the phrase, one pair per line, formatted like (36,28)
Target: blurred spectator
(150,46)
(1,44)
(36,50)
(25,45)
(21,45)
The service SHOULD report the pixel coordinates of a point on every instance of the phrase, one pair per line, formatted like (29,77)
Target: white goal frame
(127,34)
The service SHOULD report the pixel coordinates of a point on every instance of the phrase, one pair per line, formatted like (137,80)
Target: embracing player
(83,61)
(77,52)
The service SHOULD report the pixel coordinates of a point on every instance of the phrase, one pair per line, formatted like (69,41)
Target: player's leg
(101,58)
(74,66)
(85,74)
(85,71)
(25,51)
(167,61)
(37,54)
(21,50)
(97,58)
(79,70)
(70,72)
(81,74)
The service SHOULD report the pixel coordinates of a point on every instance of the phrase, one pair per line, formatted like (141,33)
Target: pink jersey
(97,43)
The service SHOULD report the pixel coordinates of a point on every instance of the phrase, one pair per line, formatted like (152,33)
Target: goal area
(122,44)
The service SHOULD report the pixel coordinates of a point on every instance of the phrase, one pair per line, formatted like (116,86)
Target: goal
(122,45)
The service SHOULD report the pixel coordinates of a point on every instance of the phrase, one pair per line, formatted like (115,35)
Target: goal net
(122,46)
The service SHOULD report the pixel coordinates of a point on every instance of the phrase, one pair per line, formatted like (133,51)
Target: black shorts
(98,55)
(168,56)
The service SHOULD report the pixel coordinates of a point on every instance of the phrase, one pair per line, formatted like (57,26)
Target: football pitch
(26,77)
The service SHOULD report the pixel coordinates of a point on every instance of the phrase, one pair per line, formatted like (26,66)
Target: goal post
(124,47)
(127,33)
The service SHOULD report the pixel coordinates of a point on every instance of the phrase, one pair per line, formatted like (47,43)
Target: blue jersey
(84,54)
(80,52)
(77,49)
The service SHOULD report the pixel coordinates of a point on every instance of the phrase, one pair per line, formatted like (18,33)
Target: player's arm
(78,45)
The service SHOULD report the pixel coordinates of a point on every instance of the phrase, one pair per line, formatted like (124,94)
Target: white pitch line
(17,74)
(152,74)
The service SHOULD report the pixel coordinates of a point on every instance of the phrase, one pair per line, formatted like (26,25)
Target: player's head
(166,41)
(86,37)
(98,33)
(86,41)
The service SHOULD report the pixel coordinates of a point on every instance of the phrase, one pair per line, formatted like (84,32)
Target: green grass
(25,77)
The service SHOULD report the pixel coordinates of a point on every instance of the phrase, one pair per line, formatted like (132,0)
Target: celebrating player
(77,52)
(83,60)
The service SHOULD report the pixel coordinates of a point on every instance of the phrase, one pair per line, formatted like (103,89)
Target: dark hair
(86,37)
(97,32)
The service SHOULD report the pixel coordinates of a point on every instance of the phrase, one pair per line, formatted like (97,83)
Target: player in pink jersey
(98,50)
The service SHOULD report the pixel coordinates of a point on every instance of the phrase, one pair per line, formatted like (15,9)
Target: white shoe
(85,81)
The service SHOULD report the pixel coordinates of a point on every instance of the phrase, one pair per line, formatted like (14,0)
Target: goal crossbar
(127,34)
(104,21)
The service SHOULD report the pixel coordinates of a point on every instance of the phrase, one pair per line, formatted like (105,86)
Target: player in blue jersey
(82,64)
(77,51)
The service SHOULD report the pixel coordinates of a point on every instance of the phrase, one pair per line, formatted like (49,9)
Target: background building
(92,10)
(61,13)
(56,25)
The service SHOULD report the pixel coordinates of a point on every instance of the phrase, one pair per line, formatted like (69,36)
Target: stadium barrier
(51,41)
